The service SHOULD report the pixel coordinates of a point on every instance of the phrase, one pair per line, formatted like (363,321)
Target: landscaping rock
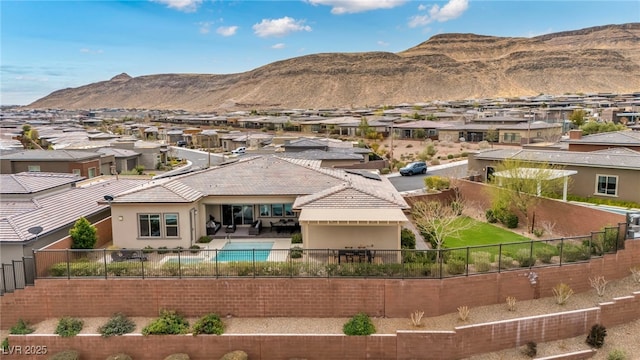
(235,355)
(120,356)
(66,355)
(179,356)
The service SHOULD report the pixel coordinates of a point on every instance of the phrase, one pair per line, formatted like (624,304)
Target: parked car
(416,167)
(181,143)
(240,150)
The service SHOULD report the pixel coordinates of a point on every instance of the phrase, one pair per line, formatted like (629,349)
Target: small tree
(578,117)
(492,136)
(83,234)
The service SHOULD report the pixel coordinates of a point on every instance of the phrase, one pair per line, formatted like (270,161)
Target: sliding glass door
(237,214)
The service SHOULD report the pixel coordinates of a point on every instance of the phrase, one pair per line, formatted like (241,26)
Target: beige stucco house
(332,208)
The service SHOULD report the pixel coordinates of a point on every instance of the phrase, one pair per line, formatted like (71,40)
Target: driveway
(456,169)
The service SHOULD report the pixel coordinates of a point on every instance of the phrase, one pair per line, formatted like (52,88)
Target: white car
(240,150)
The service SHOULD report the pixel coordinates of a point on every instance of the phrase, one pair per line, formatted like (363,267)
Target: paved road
(457,169)
(198,158)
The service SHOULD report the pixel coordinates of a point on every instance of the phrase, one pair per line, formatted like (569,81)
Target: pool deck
(218,244)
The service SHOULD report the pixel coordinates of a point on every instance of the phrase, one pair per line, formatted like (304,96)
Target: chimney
(575,134)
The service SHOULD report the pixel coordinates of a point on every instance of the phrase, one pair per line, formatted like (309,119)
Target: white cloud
(278,46)
(227,30)
(89,51)
(450,11)
(181,5)
(205,27)
(355,6)
(382,43)
(422,7)
(279,27)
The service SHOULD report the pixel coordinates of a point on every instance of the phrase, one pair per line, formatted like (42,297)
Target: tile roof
(33,182)
(347,196)
(262,175)
(118,153)
(619,138)
(50,155)
(321,155)
(60,209)
(606,159)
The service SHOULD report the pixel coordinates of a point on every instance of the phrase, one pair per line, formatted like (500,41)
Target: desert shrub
(617,354)
(147,249)
(562,293)
(510,220)
(435,162)
(177,249)
(296,252)
(450,156)
(463,313)
(204,239)
(573,252)
(506,262)
(481,261)
(66,355)
(359,324)
(296,238)
(385,171)
(407,239)
(194,249)
(524,258)
(21,328)
(491,217)
(68,326)
(596,336)
(538,232)
(530,349)
(119,356)
(209,324)
(456,266)
(162,250)
(4,346)
(416,318)
(511,303)
(169,322)
(118,324)
(409,146)
(437,182)
(544,254)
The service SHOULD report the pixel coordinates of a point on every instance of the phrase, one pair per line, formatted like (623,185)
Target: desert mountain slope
(446,67)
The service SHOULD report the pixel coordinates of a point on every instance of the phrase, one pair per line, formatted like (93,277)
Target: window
(277,210)
(265,210)
(607,185)
(92,172)
(288,211)
(34,168)
(151,225)
(76,172)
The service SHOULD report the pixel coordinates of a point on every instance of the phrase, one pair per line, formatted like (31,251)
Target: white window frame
(91,170)
(597,190)
(33,168)
(76,172)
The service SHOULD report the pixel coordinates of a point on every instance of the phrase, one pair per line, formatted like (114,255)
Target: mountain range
(445,67)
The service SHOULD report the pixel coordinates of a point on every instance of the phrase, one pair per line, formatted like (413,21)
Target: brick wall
(463,341)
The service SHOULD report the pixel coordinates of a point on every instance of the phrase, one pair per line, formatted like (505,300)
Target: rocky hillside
(446,67)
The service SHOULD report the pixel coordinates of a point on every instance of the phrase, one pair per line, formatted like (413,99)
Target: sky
(52,45)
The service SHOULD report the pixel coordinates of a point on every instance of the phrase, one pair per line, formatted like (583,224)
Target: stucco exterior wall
(332,236)
(126,232)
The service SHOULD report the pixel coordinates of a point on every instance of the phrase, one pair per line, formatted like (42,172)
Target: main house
(332,208)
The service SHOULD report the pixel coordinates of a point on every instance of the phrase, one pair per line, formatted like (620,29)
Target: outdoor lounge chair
(124,255)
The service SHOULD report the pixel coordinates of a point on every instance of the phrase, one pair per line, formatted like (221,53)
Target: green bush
(204,239)
(194,249)
(148,249)
(118,324)
(491,217)
(524,258)
(21,328)
(481,261)
(617,354)
(66,355)
(5,344)
(296,252)
(162,250)
(296,238)
(530,349)
(436,182)
(538,232)
(209,324)
(68,326)
(573,252)
(385,171)
(456,266)
(596,336)
(544,254)
(168,323)
(506,262)
(360,324)
(407,239)
(83,234)
(177,249)
(510,220)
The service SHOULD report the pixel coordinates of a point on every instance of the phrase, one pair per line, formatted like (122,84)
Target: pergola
(540,175)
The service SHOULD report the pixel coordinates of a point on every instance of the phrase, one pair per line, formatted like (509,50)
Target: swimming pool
(231,251)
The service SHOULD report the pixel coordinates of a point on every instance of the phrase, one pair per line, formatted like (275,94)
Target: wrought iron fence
(297,262)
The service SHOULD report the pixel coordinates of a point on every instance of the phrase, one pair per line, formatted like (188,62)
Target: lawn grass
(487,237)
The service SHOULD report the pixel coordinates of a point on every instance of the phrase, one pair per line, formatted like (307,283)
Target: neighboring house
(52,201)
(151,153)
(330,152)
(616,139)
(125,160)
(409,130)
(83,163)
(520,133)
(605,174)
(334,208)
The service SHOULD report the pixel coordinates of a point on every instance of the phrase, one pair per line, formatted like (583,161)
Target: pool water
(244,251)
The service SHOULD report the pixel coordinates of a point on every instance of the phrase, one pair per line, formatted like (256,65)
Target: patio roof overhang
(352,216)
(540,175)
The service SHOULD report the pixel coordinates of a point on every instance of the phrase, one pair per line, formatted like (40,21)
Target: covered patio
(539,175)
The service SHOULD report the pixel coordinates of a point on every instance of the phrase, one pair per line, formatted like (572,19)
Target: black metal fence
(298,262)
